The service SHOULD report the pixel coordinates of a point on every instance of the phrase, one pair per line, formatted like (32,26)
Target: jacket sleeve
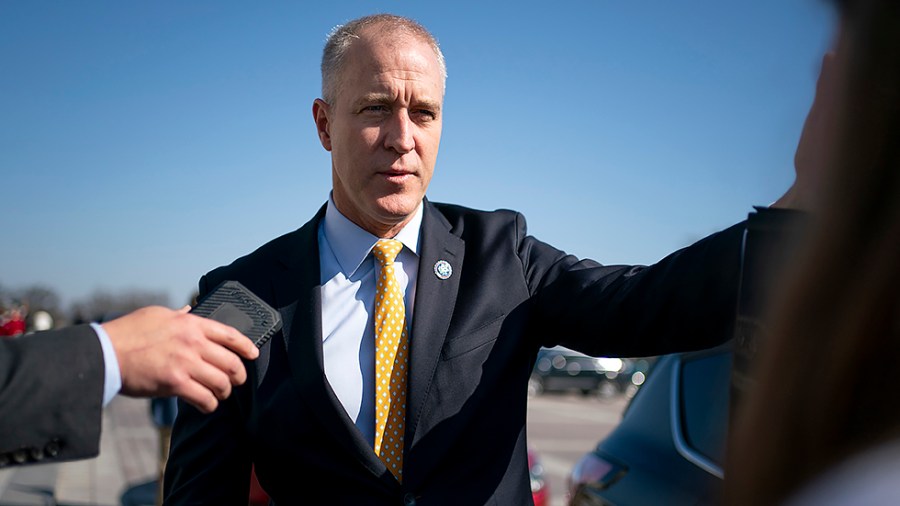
(51,394)
(685,301)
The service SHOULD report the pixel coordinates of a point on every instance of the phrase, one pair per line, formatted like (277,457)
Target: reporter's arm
(54,384)
(50,396)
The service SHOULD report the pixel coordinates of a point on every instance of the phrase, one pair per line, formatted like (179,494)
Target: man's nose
(399,135)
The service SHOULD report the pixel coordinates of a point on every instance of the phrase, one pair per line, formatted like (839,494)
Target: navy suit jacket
(474,340)
(51,395)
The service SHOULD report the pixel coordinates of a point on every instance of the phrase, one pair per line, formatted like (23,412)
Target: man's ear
(320,111)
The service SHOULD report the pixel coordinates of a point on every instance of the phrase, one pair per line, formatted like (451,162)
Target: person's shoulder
(272,253)
(459,217)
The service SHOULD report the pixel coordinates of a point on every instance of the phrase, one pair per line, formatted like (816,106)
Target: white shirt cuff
(112,381)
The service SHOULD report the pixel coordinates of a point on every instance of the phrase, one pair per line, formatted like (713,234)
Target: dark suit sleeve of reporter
(685,301)
(51,395)
(209,456)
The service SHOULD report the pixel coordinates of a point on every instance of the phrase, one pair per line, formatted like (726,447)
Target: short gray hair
(342,36)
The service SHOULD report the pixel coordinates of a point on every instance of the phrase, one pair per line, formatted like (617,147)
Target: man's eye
(425,114)
(375,108)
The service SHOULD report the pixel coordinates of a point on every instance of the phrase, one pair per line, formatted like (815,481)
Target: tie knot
(386,250)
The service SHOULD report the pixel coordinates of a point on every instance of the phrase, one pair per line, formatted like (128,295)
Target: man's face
(383,130)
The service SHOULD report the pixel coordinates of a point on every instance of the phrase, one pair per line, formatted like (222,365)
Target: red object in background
(540,492)
(258,496)
(13,328)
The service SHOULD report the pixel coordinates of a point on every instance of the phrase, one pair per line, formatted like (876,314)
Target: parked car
(560,369)
(669,447)
(634,374)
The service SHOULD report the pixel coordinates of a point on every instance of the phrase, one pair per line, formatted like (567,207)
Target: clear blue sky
(144,143)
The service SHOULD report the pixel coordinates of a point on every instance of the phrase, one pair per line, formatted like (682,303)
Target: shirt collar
(351,244)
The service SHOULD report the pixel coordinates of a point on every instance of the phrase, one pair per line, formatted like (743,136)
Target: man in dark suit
(54,384)
(479,298)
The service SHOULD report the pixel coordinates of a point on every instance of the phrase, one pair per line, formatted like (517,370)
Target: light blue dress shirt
(112,380)
(348,300)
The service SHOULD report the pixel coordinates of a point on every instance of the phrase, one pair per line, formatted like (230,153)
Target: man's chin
(397,212)
(398,207)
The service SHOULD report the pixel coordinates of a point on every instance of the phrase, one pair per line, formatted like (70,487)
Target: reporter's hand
(162,352)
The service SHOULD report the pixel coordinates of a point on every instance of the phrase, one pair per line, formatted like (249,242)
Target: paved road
(563,427)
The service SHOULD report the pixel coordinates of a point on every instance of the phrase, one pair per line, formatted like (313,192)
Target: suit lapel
(299,300)
(435,300)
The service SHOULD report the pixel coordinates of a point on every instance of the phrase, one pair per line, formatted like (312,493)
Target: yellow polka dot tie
(391,359)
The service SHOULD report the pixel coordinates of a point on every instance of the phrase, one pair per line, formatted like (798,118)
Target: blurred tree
(41,298)
(102,305)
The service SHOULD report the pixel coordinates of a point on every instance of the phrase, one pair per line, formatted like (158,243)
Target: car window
(705,383)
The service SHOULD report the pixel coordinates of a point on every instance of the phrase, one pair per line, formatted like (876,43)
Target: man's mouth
(396,175)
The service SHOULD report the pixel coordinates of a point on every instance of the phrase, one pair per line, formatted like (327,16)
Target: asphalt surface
(563,427)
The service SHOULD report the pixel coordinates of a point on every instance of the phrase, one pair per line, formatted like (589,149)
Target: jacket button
(409,500)
(52,448)
(37,454)
(20,456)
